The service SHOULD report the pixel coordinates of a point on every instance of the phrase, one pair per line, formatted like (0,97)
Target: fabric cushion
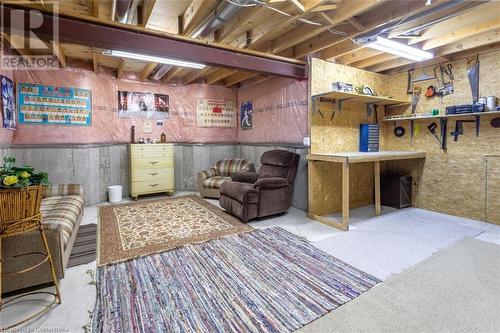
(62,190)
(228,166)
(212,172)
(215,182)
(268,171)
(62,212)
(241,192)
(280,158)
(271,182)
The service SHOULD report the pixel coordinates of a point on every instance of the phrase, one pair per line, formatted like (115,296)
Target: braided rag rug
(266,280)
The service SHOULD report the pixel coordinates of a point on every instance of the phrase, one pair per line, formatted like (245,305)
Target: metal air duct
(216,19)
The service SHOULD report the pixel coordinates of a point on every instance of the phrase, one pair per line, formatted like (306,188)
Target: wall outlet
(306,141)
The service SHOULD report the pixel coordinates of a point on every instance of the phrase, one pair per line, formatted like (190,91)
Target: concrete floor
(382,246)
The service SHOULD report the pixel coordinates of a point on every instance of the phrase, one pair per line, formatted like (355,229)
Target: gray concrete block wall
(95,167)
(4,151)
(98,166)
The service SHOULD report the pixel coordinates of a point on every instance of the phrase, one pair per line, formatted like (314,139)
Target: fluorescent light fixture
(402,50)
(149,58)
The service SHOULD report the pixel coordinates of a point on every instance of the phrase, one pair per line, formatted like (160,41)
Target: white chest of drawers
(151,168)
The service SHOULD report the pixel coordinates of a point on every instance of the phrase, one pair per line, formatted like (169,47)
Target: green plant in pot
(13,176)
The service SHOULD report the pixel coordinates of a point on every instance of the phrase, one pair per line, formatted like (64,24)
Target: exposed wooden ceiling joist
(150,66)
(121,69)
(196,74)
(140,40)
(238,77)
(219,75)
(461,33)
(196,13)
(171,74)
(147,10)
(479,40)
(59,52)
(95,62)
(359,55)
(391,12)
(473,17)
(304,32)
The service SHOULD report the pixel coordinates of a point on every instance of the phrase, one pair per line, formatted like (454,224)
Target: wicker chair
(20,214)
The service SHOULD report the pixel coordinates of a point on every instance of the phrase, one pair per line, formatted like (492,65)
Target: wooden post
(345,195)
(376,176)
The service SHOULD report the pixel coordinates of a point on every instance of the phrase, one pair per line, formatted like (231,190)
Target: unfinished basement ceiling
(298,29)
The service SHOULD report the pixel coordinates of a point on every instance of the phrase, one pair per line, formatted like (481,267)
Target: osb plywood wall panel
(455,181)
(340,134)
(327,186)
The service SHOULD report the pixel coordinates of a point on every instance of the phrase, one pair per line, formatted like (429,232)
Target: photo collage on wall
(8,107)
(246,111)
(215,113)
(142,105)
(49,105)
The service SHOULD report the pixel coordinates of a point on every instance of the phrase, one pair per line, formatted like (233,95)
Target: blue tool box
(369,137)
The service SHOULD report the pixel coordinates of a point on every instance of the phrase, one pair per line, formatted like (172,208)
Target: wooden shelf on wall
(367,99)
(486,113)
(443,119)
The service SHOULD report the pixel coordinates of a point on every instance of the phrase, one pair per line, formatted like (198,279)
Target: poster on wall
(246,110)
(215,113)
(8,108)
(49,105)
(142,105)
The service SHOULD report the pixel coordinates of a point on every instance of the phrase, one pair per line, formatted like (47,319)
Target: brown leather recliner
(250,195)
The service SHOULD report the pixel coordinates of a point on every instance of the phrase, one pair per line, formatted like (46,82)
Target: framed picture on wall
(216,113)
(50,105)
(8,106)
(132,104)
(246,111)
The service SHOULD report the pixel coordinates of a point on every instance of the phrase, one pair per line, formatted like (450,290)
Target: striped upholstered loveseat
(209,181)
(62,210)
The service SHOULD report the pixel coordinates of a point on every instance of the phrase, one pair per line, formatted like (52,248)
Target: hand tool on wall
(473,75)
(459,128)
(495,123)
(412,79)
(445,86)
(444,129)
(415,96)
(399,131)
(432,128)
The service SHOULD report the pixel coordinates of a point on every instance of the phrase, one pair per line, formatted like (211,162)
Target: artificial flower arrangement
(12,176)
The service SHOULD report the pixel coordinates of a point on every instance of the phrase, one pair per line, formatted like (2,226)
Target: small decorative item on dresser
(163,138)
(132,134)
(20,200)
(151,169)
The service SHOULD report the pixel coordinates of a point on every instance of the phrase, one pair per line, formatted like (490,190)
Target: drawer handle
(154,173)
(154,162)
(154,185)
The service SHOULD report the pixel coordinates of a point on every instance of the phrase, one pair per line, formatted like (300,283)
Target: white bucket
(115,193)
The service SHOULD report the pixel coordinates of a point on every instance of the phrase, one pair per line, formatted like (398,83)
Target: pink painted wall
(5,134)
(106,126)
(279,111)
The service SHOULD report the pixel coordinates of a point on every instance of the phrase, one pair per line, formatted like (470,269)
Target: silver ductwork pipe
(124,10)
(216,19)
(160,71)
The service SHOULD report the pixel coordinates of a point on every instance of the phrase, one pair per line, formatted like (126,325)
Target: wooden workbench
(347,158)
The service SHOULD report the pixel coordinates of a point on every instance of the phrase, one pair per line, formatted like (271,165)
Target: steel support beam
(118,37)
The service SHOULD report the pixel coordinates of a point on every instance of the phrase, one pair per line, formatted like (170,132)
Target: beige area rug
(132,230)
(455,290)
